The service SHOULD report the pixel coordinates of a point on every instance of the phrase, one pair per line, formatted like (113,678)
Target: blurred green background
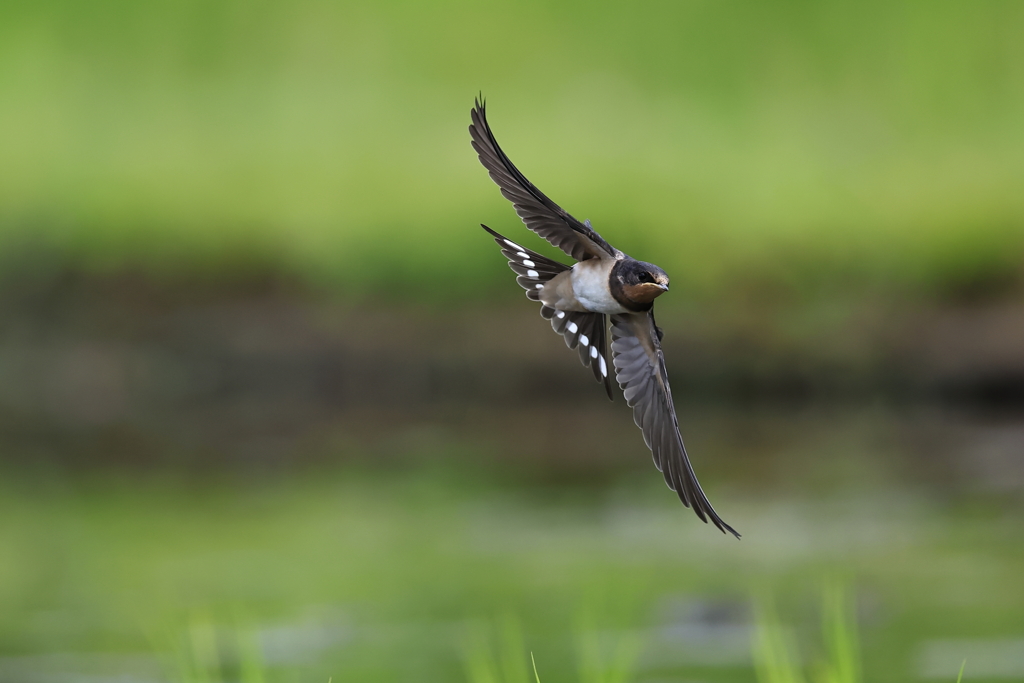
(272,407)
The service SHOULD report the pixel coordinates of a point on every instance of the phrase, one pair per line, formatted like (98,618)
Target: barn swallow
(579,299)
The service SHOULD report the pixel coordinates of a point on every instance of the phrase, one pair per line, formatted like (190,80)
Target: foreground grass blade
(839,631)
(603,661)
(509,666)
(478,659)
(774,656)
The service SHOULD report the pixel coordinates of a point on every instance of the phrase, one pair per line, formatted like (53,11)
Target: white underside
(590,286)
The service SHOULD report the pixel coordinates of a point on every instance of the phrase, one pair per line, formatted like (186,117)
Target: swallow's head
(641,282)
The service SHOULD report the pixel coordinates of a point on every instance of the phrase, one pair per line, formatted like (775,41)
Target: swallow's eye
(646,277)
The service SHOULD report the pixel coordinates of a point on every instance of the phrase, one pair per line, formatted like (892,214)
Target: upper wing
(640,371)
(539,213)
(586,332)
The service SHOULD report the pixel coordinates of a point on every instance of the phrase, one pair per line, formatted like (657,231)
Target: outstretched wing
(640,371)
(586,332)
(539,213)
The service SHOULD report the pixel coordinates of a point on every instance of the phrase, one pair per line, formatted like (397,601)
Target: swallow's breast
(590,280)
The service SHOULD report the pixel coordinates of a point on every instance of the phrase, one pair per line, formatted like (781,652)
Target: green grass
(776,657)
(496,654)
(204,653)
(390,577)
(791,143)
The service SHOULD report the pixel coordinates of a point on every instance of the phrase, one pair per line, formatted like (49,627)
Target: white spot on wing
(604,367)
(532,273)
(513,245)
(528,263)
(539,286)
(584,340)
(593,352)
(560,314)
(573,327)
(523,254)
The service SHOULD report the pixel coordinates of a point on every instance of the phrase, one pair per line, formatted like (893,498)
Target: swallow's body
(584,288)
(578,300)
(590,284)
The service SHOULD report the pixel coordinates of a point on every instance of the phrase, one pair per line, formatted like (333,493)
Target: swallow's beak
(664,286)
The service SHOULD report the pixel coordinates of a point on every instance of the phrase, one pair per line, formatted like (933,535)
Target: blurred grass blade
(960,676)
(513,652)
(478,657)
(510,665)
(191,654)
(533,660)
(774,658)
(251,665)
(606,658)
(839,630)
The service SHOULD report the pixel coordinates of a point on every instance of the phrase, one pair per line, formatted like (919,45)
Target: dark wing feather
(640,371)
(539,213)
(586,332)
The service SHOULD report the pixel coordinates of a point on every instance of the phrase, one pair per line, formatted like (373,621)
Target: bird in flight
(579,300)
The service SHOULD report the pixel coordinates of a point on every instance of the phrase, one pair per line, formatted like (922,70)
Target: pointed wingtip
(497,238)
(726,528)
(478,114)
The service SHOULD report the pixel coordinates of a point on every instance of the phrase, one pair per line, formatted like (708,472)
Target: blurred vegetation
(795,144)
(775,656)
(399,576)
